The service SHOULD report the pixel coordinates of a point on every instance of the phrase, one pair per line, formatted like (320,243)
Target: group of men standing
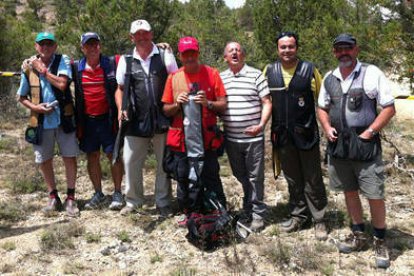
(147,92)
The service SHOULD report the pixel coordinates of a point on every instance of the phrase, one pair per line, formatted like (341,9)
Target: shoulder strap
(162,55)
(35,93)
(125,98)
(55,65)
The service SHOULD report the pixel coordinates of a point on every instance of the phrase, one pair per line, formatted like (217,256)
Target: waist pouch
(351,147)
(67,118)
(33,135)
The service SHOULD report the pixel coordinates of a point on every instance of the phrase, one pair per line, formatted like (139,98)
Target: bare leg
(377,207)
(117,171)
(70,167)
(94,170)
(46,168)
(353,204)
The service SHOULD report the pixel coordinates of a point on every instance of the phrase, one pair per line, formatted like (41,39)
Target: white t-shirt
(375,84)
(169,59)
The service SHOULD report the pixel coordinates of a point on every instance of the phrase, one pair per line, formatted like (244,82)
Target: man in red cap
(211,95)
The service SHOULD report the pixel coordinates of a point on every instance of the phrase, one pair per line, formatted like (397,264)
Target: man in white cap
(141,78)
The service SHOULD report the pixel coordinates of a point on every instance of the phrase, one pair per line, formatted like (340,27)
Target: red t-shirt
(208,79)
(93,85)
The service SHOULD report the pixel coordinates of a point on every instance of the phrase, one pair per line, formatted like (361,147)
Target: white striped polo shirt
(244,105)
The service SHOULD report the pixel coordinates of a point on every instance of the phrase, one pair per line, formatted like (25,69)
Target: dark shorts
(97,134)
(366,177)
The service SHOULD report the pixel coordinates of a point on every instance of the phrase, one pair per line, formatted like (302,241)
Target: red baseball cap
(188,43)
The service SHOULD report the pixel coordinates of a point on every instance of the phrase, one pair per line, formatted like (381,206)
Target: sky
(230,3)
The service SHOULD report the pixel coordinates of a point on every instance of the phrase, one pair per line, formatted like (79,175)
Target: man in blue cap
(95,86)
(52,122)
(347,111)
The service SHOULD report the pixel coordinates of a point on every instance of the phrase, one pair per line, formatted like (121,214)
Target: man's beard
(346,62)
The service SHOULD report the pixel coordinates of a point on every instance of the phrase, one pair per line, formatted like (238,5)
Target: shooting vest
(351,113)
(212,139)
(143,95)
(293,109)
(65,99)
(108,65)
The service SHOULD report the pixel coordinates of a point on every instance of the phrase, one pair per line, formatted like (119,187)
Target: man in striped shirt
(248,110)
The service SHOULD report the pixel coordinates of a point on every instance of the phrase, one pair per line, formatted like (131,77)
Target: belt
(97,117)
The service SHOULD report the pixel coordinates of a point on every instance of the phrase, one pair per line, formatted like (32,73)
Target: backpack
(214,229)
(209,231)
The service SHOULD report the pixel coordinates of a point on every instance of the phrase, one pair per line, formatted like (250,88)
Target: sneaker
(117,201)
(71,207)
(129,210)
(165,212)
(321,232)
(97,200)
(382,259)
(292,225)
(355,241)
(53,205)
(257,224)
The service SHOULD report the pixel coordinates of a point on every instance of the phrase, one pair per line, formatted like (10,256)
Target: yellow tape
(404,97)
(9,74)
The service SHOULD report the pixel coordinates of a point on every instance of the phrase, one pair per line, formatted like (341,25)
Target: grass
(27,183)
(93,237)
(74,268)
(279,254)
(60,237)
(8,245)
(156,258)
(123,236)
(12,211)
(151,162)
(183,270)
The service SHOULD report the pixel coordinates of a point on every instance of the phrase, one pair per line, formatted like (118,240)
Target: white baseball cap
(138,25)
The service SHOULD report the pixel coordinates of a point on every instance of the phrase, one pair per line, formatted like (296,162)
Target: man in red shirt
(95,86)
(212,96)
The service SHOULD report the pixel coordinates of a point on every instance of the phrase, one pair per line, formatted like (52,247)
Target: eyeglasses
(340,48)
(48,43)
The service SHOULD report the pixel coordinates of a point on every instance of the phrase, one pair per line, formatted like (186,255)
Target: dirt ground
(105,243)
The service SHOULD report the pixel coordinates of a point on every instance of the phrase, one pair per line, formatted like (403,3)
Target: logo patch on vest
(301,102)
(186,121)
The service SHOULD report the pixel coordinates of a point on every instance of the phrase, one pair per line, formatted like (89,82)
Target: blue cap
(344,39)
(89,35)
(45,36)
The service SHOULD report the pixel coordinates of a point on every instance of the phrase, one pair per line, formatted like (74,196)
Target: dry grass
(60,237)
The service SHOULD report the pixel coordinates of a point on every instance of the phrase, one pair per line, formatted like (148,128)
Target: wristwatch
(210,105)
(373,132)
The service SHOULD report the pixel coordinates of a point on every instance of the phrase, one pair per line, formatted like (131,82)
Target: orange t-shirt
(208,79)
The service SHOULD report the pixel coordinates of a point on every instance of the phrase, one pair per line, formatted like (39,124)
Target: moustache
(344,56)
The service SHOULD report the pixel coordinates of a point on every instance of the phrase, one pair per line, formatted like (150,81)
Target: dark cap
(344,39)
(89,35)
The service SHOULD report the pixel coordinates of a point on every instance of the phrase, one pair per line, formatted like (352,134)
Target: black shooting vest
(351,113)
(144,96)
(293,109)
(108,65)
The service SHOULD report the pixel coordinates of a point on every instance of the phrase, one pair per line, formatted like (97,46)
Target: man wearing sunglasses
(294,85)
(51,73)
(348,114)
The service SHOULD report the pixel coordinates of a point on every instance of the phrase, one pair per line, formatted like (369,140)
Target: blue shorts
(97,134)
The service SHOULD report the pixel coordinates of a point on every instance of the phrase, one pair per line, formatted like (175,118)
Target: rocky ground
(103,242)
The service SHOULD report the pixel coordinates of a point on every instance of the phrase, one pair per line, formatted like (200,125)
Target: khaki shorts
(364,176)
(67,143)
